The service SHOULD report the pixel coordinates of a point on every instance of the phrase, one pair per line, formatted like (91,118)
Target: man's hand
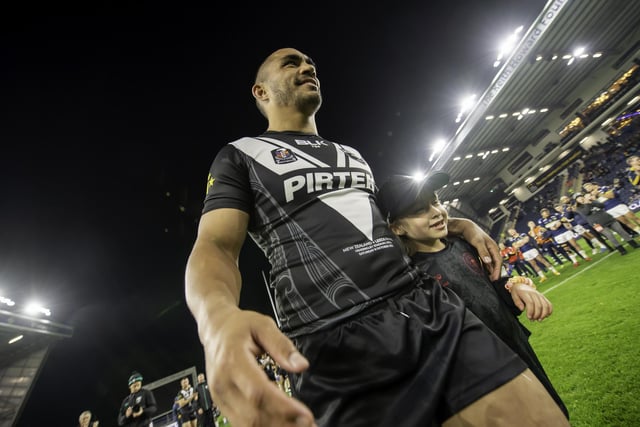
(137,414)
(128,412)
(487,248)
(241,390)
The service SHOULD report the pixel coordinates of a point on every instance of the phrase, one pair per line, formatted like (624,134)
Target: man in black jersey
(381,342)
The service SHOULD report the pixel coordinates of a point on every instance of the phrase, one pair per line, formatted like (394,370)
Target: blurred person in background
(139,406)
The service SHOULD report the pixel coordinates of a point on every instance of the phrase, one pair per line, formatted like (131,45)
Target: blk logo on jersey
(283,155)
(315,143)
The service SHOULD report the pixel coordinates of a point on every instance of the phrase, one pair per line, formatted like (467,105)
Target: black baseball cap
(398,195)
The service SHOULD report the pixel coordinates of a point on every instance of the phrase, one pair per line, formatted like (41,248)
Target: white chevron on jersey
(260,151)
(354,205)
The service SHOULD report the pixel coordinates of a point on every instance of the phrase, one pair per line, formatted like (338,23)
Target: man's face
(634,162)
(184,383)
(200,378)
(135,387)
(290,81)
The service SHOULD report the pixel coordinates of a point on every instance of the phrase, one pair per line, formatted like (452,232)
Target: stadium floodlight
(437,147)
(466,104)
(578,53)
(7,301)
(507,46)
(15,339)
(34,308)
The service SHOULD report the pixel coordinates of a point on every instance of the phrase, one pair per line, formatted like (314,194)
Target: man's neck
(294,122)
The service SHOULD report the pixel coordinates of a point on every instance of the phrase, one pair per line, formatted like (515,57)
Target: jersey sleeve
(228,182)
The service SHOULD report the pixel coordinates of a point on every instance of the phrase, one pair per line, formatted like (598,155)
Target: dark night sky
(111,113)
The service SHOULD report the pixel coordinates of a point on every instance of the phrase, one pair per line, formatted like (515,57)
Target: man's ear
(259,92)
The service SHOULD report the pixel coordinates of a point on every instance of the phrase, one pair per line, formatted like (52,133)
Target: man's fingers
(240,385)
(281,349)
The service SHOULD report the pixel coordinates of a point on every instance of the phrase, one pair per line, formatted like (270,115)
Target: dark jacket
(144,399)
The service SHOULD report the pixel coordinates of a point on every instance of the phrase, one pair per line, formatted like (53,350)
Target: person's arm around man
(232,338)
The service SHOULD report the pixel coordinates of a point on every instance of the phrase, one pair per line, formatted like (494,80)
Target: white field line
(589,267)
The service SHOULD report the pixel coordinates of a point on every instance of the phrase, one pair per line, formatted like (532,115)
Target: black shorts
(414,359)
(189,415)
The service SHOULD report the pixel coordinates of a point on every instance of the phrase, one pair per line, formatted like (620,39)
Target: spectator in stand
(542,236)
(633,171)
(599,218)
(614,206)
(523,242)
(562,236)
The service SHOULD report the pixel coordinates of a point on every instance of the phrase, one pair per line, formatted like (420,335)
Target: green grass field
(590,345)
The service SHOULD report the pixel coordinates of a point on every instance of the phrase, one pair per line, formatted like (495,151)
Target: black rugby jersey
(458,268)
(313,214)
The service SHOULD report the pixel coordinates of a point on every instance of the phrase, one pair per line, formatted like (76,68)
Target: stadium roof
(555,89)
(21,335)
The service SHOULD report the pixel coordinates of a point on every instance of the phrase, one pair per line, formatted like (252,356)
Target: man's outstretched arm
(232,338)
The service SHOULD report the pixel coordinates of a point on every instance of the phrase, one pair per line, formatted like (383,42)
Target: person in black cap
(139,406)
(415,214)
